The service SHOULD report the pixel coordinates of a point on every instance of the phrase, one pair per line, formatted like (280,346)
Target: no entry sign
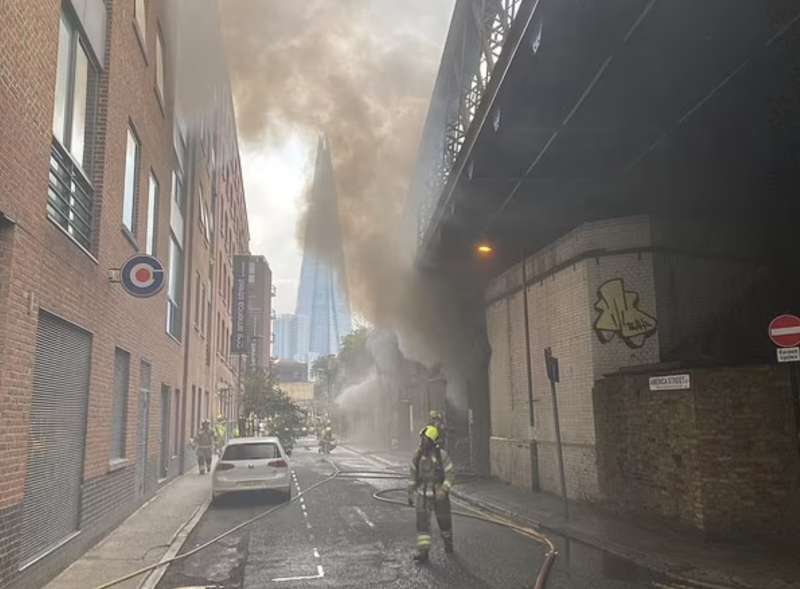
(784,331)
(142,276)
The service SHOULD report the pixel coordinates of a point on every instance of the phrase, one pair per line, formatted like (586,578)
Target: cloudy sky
(360,71)
(275,179)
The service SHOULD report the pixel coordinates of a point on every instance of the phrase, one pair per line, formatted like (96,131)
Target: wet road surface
(338,535)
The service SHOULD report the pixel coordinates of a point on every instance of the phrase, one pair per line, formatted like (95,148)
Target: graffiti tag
(620,315)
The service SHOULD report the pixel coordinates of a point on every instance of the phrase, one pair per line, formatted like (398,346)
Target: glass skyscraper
(323,307)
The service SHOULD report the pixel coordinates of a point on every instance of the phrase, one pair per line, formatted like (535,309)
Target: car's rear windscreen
(251,452)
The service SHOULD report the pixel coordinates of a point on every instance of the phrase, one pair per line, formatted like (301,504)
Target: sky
(275,177)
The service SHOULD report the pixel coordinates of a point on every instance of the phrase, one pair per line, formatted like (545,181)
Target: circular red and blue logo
(142,276)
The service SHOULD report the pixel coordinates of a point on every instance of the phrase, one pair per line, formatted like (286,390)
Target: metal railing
(70,196)
(478,33)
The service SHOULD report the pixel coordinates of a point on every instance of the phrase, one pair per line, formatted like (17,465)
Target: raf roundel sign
(142,276)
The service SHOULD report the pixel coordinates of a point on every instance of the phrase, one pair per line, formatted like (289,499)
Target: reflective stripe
(423,540)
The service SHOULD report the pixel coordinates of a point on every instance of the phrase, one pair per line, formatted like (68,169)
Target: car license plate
(249,483)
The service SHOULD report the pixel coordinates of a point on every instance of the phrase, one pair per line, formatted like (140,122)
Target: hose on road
(379,495)
(550,555)
(216,539)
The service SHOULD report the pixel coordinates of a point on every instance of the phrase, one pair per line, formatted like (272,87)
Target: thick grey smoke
(362,72)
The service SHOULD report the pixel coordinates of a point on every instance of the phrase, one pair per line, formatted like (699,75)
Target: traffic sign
(788,354)
(142,276)
(784,331)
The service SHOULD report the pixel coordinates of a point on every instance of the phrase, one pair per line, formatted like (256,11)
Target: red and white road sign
(784,331)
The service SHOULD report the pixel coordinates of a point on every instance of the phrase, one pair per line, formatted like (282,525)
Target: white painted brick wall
(561,315)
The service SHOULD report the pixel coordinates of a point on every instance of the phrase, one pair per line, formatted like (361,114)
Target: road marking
(308,525)
(320,574)
(316,553)
(363,515)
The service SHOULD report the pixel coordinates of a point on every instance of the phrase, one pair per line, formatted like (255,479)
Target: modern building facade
(100,390)
(285,336)
(323,306)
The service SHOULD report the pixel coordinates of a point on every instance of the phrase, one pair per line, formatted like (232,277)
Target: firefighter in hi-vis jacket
(432,475)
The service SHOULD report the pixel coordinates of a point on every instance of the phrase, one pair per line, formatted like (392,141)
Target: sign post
(784,331)
(551,364)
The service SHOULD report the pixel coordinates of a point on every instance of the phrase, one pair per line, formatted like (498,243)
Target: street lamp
(484,249)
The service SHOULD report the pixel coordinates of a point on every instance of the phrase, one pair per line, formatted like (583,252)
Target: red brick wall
(721,457)
(42,268)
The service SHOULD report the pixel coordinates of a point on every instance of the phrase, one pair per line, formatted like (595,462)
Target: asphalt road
(340,536)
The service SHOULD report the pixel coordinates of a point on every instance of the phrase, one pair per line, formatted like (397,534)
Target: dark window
(251,452)
(119,419)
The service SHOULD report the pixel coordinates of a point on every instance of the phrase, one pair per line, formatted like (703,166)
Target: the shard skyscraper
(323,307)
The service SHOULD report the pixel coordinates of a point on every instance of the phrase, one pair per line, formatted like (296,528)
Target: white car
(252,464)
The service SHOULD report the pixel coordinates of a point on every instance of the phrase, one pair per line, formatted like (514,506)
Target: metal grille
(56,439)
(145,371)
(122,365)
(70,196)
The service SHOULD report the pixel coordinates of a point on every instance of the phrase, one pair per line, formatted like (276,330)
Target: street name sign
(670,382)
(789,354)
(784,331)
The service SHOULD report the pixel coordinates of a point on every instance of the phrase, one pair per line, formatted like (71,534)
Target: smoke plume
(362,73)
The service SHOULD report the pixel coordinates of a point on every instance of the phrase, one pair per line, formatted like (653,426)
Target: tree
(324,370)
(264,397)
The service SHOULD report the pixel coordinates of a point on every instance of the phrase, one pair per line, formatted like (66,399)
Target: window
(176,262)
(70,194)
(174,289)
(131,188)
(119,415)
(258,451)
(176,442)
(151,238)
(197,301)
(203,309)
(160,67)
(251,275)
(140,16)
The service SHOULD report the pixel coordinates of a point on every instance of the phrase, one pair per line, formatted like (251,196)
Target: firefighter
(436,419)
(220,432)
(205,446)
(431,477)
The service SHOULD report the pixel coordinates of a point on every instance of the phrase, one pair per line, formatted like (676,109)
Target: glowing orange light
(484,249)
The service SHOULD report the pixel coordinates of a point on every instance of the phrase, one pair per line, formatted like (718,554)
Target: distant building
(323,307)
(285,336)
(289,371)
(259,312)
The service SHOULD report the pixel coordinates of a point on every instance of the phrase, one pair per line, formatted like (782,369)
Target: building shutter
(57,436)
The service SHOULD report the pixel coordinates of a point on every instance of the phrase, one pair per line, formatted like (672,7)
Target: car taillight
(224,466)
(279,463)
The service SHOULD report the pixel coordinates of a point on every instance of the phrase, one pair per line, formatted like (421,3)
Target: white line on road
(316,553)
(308,525)
(363,515)
(319,575)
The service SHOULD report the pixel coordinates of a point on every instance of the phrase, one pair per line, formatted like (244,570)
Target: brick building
(99,390)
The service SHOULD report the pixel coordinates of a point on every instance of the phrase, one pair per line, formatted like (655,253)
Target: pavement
(153,532)
(680,556)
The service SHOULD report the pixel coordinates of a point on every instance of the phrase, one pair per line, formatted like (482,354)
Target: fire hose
(530,533)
